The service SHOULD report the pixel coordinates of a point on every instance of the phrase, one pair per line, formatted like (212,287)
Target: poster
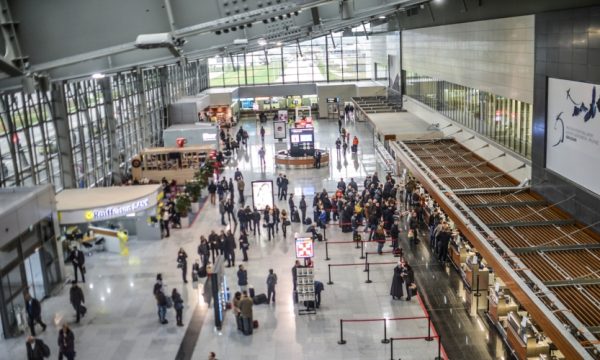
(573,132)
(279,129)
(304,248)
(282,115)
(262,194)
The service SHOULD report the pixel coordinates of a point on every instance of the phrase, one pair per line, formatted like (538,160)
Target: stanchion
(368,274)
(385,339)
(428,338)
(439,357)
(329,282)
(362,249)
(341,341)
(366,261)
(392,349)
(354,239)
(327,252)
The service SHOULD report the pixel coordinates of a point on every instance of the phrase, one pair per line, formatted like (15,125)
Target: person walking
(338,145)
(36,349)
(178,306)
(270,220)
(284,187)
(256,221)
(213,242)
(262,134)
(397,281)
(379,237)
(261,154)
(204,250)
(271,282)
(246,305)
(291,203)
(355,144)
(295,278)
(222,212)
(164,223)
(66,343)
(77,258)
(242,276)
(278,182)
(34,313)
(77,300)
(212,356)
(285,222)
(182,264)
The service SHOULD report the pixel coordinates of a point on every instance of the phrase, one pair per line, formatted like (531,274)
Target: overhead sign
(333,100)
(305,248)
(573,131)
(121,210)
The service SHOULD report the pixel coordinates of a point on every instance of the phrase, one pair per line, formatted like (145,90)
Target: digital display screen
(295,138)
(262,194)
(305,137)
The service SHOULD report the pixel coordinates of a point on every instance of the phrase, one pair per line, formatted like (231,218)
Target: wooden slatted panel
(581,307)
(578,263)
(540,267)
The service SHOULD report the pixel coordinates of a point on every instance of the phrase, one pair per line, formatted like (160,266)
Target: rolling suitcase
(307,221)
(246,325)
(260,299)
(251,292)
(240,325)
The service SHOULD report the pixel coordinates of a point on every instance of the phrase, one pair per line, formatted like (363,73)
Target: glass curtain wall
(29,149)
(336,57)
(506,121)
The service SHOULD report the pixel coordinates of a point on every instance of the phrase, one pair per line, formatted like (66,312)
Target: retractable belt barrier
(368,281)
(361,247)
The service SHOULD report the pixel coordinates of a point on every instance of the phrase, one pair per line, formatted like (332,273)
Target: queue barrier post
(327,252)
(439,356)
(385,339)
(428,338)
(366,261)
(341,341)
(392,349)
(368,274)
(362,249)
(354,238)
(329,270)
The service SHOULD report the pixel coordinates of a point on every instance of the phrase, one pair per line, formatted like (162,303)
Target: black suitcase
(260,299)
(307,221)
(251,292)
(246,325)
(240,325)
(319,237)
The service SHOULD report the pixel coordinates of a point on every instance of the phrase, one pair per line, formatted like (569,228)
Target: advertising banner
(279,130)
(282,115)
(573,132)
(262,194)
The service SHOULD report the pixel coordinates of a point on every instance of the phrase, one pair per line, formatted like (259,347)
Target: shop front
(86,215)
(30,261)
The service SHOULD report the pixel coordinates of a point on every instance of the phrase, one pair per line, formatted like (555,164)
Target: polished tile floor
(122,321)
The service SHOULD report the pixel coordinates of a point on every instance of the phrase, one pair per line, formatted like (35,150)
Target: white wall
(506,163)
(492,55)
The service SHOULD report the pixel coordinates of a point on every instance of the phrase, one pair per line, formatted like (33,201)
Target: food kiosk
(108,212)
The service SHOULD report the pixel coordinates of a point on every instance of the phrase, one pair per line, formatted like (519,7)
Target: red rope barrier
(361,320)
(413,337)
(383,263)
(347,264)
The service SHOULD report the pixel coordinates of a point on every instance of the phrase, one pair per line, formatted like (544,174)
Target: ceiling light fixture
(382,17)
(98,76)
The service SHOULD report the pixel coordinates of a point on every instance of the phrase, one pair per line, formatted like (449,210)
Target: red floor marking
(444,355)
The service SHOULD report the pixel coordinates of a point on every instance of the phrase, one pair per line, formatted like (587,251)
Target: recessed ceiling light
(382,17)
(98,76)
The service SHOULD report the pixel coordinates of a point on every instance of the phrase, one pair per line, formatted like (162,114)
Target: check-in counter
(500,305)
(525,339)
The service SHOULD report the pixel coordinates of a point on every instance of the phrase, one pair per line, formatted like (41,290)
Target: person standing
(244,245)
(66,343)
(212,356)
(78,260)
(229,246)
(182,264)
(164,223)
(212,190)
(291,203)
(204,250)
(396,291)
(355,144)
(295,278)
(270,220)
(271,282)
(262,134)
(36,349)
(77,300)
(241,185)
(261,154)
(340,119)
(395,234)
(379,237)
(408,277)
(178,306)
(222,212)
(278,182)
(161,300)
(319,287)
(242,276)
(338,145)
(302,208)
(246,305)
(34,313)
(256,221)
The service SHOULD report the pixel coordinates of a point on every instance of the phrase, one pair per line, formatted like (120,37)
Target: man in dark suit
(78,260)
(34,313)
(35,348)
(77,300)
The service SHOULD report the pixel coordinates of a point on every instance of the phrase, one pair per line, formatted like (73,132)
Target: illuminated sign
(262,194)
(304,248)
(115,211)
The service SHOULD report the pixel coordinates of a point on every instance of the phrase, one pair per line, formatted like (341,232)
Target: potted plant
(182,206)
(193,189)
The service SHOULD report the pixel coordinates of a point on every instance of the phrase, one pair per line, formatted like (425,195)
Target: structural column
(63,136)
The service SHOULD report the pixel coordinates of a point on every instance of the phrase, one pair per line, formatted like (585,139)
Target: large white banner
(262,194)
(573,132)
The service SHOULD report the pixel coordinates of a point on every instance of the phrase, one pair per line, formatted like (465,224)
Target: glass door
(35,276)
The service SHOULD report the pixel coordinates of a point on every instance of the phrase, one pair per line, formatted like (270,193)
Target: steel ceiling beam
(545,249)
(508,204)
(532,223)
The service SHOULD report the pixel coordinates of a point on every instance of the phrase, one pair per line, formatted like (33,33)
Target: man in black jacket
(66,343)
(229,246)
(291,203)
(284,187)
(36,349)
(77,300)
(278,182)
(34,313)
(302,208)
(77,258)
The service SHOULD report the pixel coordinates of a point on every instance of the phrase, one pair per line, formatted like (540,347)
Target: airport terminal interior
(300,179)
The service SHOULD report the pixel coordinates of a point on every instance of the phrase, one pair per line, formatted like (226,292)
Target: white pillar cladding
(491,55)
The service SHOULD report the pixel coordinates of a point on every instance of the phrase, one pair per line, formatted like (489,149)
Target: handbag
(287,223)
(180,265)
(169,302)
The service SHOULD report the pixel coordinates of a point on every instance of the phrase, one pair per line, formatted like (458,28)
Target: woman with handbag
(182,263)
(409,280)
(244,244)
